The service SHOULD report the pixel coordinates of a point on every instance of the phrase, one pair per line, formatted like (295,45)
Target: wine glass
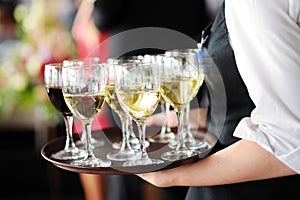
(53,84)
(190,141)
(84,92)
(181,78)
(134,142)
(88,60)
(125,152)
(166,135)
(138,91)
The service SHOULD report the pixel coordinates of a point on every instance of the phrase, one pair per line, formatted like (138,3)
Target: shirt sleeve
(265,37)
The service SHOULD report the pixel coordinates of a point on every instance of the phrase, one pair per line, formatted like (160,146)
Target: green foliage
(42,38)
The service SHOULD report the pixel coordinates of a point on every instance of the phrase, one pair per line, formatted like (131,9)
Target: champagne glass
(125,152)
(53,84)
(88,60)
(84,92)
(188,137)
(138,91)
(181,78)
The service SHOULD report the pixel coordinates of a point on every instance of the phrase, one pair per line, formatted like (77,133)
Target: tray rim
(209,138)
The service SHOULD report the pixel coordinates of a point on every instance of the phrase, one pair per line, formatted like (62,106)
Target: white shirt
(265,37)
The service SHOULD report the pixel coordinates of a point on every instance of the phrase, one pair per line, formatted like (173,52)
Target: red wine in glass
(53,85)
(57,99)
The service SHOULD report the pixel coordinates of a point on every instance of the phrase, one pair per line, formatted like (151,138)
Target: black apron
(239,105)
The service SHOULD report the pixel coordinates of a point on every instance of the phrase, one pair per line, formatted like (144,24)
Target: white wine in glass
(181,79)
(166,135)
(90,61)
(134,142)
(84,92)
(138,91)
(188,138)
(125,152)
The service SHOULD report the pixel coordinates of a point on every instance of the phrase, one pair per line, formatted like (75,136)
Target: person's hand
(239,162)
(172,177)
(169,177)
(157,179)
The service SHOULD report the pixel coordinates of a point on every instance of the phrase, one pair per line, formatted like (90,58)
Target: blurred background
(32,33)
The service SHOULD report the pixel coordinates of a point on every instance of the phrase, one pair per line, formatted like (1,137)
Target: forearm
(240,162)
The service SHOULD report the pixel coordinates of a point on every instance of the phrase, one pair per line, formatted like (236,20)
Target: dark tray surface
(109,136)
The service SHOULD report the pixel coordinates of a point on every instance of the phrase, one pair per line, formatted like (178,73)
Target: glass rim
(84,65)
(79,62)
(54,64)
(182,52)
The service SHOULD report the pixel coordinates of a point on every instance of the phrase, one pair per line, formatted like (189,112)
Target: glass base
(79,143)
(116,145)
(70,154)
(91,162)
(134,141)
(173,143)
(93,142)
(97,143)
(123,155)
(197,145)
(190,144)
(162,138)
(137,146)
(175,155)
(142,161)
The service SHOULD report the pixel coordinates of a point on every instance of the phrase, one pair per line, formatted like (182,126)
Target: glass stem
(167,114)
(69,132)
(188,136)
(180,117)
(88,132)
(164,126)
(142,137)
(125,134)
(130,126)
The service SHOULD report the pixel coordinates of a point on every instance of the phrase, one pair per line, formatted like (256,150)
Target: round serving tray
(111,135)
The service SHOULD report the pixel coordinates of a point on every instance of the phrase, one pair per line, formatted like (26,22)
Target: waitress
(256,157)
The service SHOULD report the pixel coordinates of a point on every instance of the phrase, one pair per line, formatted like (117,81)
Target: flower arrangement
(43,38)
